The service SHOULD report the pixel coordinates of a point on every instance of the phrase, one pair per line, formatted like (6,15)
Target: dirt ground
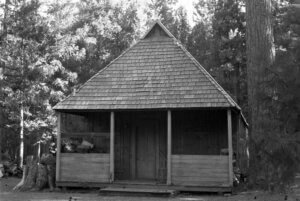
(6,194)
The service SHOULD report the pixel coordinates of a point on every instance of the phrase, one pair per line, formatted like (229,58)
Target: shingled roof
(155,73)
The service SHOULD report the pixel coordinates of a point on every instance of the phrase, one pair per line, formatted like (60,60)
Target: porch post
(169,148)
(58,146)
(112,149)
(229,127)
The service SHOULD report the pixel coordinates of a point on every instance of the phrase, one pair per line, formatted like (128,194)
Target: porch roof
(155,73)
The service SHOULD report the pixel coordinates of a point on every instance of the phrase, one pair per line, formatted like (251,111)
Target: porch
(185,149)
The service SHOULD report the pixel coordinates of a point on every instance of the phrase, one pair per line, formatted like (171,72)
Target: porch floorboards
(147,187)
(130,190)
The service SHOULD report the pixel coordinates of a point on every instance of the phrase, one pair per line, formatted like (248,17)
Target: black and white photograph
(149,100)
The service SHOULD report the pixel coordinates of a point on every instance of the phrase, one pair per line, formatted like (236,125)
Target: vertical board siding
(90,167)
(200,170)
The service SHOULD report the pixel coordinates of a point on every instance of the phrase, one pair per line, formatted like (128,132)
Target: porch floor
(130,190)
(147,187)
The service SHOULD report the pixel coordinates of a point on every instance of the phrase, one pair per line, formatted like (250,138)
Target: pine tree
(32,77)
(229,48)
(218,42)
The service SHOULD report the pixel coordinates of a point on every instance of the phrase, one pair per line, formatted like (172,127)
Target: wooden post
(229,127)
(133,154)
(58,145)
(169,148)
(112,145)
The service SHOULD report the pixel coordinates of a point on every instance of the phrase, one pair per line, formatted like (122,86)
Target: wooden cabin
(155,117)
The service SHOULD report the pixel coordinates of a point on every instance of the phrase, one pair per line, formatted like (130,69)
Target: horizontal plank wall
(91,167)
(200,170)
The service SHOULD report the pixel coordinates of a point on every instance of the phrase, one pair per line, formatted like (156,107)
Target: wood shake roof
(155,73)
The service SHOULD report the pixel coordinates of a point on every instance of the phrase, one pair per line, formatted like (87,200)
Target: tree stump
(51,176)
(30,179)
(42,178)
(38,176)
(49,161)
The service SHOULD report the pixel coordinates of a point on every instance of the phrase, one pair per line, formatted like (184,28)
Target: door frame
(132,119)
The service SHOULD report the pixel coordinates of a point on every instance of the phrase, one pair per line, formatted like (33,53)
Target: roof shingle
(157,72)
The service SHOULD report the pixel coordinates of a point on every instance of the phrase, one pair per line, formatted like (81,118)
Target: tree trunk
(37,176)
(30,180)
(42,178)
(21,135)
(4,22)
(260,57)
(1,133)
(21,183)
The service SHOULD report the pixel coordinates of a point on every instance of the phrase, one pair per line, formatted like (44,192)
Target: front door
(145,150)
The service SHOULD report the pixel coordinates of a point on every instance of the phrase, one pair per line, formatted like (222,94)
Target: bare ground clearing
(92,195)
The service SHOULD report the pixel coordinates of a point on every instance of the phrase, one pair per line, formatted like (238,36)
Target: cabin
(154,117)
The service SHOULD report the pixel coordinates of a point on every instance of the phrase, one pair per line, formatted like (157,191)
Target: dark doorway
(140,146)
(145,150)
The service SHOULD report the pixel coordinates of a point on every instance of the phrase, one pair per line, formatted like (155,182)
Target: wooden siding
(200,170)
(75,167)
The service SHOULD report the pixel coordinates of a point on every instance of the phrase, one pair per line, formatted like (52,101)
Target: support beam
(58,146)
(112,147)
(169,148)
(229,130)
(133,155)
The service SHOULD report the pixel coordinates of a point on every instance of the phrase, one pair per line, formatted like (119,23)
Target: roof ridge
(204,71)
(96,74)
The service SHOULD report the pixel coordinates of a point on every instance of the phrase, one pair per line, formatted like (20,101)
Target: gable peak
(157,30)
